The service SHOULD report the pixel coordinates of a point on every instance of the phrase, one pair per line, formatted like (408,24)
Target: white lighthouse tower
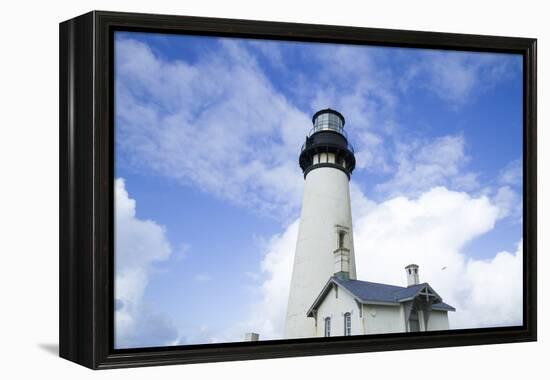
(325,237)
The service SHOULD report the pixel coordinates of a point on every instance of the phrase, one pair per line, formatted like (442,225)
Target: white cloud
(432,231)
(508,195)
(512,174)
(452,79)
(139,244)
(276,269)
(271,52)
(457,77)
(509,203)
(495,291)
(217,124)
(422,165)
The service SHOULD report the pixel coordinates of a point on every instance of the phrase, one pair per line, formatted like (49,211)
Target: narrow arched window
(341,238)
(347,324)
(327,326)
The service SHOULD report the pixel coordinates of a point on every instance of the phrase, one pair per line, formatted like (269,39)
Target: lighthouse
(324,247)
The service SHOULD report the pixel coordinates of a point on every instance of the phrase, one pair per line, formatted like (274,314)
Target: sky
(208,187)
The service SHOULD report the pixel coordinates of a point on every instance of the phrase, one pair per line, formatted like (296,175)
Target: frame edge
(84,105)
(76,272)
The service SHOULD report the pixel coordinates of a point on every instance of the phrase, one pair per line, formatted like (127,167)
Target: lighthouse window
(347,324)
(327,326)
(341,238)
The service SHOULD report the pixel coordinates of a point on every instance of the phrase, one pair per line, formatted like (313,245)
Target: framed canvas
(234,189)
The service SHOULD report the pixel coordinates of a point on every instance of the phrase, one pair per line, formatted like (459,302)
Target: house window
(327,326)
(347,324)
(341,238)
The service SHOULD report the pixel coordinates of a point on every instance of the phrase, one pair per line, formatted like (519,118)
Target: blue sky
(208,133)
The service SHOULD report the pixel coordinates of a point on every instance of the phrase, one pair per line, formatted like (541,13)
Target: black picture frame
(87,183)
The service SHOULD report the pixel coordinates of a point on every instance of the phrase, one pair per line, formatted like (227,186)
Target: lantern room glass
(328,121)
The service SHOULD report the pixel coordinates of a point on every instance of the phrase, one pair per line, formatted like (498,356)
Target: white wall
(381,319)
(29,164)
(439,320)
(335,308)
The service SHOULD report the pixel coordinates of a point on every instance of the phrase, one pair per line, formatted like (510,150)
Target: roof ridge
(376,292)
(371,282)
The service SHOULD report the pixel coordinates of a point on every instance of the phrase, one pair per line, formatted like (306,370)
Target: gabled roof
(375,293)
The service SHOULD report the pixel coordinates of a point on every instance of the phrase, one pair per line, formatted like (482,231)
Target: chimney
(412,274)
(251,337)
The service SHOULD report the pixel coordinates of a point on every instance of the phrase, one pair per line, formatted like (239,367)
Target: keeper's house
(353,307)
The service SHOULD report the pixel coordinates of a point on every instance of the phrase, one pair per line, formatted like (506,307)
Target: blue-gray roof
(376,292)
(443,306)
(373,292)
